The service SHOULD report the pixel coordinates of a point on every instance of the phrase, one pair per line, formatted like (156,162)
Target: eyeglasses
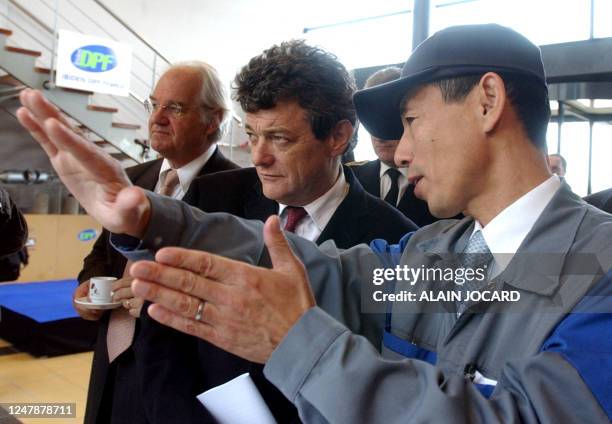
(175,109)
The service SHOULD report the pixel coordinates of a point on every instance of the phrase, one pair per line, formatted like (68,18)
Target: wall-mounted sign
(87,235)
(93,64)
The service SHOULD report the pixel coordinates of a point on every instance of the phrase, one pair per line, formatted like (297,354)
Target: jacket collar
(353,208)
(544,249)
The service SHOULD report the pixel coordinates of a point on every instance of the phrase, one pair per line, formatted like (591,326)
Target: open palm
(95,179)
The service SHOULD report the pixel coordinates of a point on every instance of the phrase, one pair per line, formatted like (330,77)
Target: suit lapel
(258,206)
(217,163)
(148,176)
(371,180)
(353,209)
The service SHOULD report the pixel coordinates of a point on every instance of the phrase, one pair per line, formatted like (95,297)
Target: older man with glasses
(187,107)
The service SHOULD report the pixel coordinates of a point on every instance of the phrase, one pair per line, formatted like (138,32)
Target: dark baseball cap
(452,52)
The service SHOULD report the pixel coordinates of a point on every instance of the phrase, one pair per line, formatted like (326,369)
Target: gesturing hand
(247,310)
(96,180)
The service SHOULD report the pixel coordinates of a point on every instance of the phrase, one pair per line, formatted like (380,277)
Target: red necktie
(294,216)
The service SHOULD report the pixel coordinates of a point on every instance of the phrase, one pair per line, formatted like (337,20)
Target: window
(542,21)
(601,171)
(369,34)
(601,22)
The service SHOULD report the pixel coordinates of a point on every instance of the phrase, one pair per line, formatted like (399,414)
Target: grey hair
(213,94)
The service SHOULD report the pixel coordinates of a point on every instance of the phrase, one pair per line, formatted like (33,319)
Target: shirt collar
(322,209)
(506,232)
(188,172)
(384,167)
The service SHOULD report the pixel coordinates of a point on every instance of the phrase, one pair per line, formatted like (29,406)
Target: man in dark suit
(381,177)
(601,200)
(296,142)
(187,109)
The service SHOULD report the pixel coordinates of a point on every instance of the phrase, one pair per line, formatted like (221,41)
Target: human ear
(492,100)
(341,136)
(214,121)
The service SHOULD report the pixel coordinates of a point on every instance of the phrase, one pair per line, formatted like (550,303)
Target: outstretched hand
(95,179)
(246,310)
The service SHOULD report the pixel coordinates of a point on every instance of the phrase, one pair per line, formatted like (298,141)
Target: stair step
(10,80)
(42,70)
(6,31)
(97,108)
(22,51)
(126,126)
(101,143)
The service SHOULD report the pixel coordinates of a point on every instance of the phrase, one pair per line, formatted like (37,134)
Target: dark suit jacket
(179,367)
(414,208)
(13,226)
(113,396)
(601,200)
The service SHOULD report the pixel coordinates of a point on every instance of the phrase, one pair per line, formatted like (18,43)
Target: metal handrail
(31,16)
(114,16)
(36,40)
(122,22)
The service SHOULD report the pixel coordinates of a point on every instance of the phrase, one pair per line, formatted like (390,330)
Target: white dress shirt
(186,173)
(385,181)
(506,232)
(319,211)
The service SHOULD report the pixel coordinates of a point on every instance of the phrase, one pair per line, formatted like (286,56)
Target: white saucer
(84,301)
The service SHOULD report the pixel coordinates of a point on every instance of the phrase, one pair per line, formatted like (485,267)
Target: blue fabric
(584,339)
(407,349)
(42,301)
(389,255)
(485,389)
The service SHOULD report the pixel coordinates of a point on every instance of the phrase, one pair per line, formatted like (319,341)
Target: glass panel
(542,21)
(599,103)
(601,177)
(575,149)
(366,43)
(551,137)
(364,149)
(601,25)
(338,11)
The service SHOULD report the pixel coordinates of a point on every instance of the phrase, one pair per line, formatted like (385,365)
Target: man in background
(299,120)
(558,164)
(382,177)
(187,109)
(601,199)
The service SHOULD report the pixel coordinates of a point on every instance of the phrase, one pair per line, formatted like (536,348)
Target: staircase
(96,121)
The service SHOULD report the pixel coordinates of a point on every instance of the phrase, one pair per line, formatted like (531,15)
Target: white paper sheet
(237,402)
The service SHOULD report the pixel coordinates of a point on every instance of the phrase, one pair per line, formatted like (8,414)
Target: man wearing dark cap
(471,109)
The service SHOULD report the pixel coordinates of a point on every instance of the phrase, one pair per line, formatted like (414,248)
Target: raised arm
(95,179)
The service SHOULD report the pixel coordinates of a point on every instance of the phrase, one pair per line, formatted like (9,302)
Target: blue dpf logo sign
(94,58)
(87,235)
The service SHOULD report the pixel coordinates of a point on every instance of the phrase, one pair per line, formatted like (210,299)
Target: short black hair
(528,97)
(296,71)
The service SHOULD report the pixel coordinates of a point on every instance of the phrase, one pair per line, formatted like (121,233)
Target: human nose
(261,154)
(404,154)
(159,116)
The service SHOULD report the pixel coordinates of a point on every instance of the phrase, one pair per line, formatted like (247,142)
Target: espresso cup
(100,289)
